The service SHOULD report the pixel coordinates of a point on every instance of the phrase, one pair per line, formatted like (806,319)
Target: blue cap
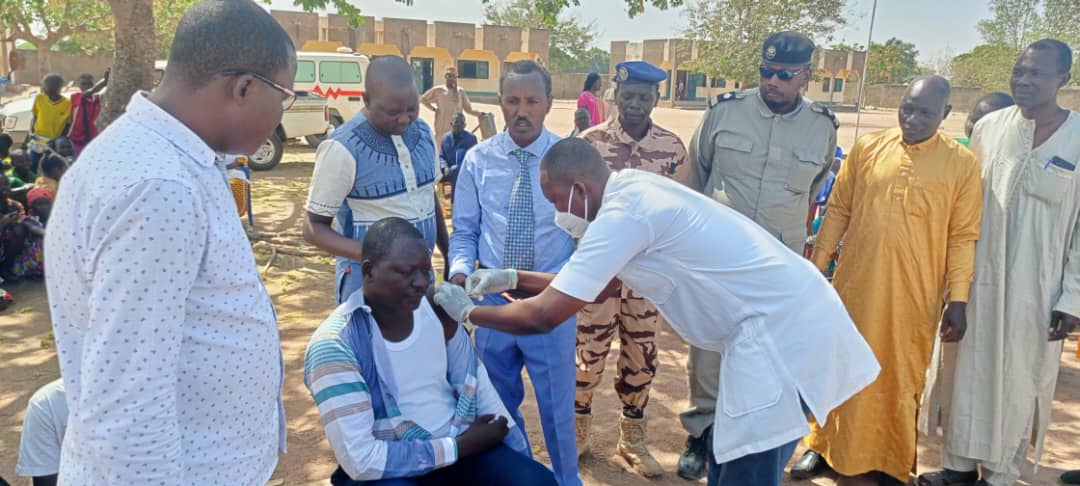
(631,72)
(839,153)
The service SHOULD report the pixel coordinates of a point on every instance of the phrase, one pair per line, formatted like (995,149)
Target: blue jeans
(497,466)
(760,469)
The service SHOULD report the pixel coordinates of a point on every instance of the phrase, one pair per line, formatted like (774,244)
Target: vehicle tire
(269,154)
(315,140)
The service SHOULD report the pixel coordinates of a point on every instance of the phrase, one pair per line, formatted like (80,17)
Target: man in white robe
(996,386)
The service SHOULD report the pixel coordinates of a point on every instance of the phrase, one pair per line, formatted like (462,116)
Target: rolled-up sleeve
(144,257)
(332,180)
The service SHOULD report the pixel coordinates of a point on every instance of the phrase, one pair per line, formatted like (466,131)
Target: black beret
(787,49)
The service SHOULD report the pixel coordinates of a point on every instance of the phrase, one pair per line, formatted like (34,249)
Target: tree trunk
(133,62)
(44,59)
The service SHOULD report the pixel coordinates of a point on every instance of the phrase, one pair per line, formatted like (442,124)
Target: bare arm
(535,315)
(466,105)
(442,236)
(318,232)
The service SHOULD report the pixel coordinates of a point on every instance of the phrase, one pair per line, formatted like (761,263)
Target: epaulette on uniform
(824,110)
(730,95)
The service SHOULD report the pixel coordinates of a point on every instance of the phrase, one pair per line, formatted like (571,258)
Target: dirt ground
(299,280)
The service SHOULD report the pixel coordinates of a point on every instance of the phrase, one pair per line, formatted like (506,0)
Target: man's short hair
(51,163)
(458,116)
(571,157)
(218,35)
(382,236)
(525,68)
(52,78)
(1061,52)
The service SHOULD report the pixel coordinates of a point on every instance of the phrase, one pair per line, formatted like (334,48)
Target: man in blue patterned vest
(379,164)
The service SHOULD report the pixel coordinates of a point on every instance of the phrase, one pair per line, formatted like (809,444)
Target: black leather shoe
(693,460)
(1071,477)
(809,465)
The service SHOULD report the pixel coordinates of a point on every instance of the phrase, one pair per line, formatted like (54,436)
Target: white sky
(936,27)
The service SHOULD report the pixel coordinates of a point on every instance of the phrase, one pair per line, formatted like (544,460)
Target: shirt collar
(767,113)
(921,146)
(148,114)
(537,148)
(615,129)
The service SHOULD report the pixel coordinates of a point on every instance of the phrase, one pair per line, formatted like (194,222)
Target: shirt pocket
(1048,184)
(749,380)
(805,165)
(731,152)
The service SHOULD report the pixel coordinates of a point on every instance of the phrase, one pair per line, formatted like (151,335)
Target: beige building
(478,51)
(836,72)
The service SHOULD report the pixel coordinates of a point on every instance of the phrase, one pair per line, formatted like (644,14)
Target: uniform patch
(824,110)
(730,95)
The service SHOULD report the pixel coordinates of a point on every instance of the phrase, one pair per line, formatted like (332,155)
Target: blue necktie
(520,233)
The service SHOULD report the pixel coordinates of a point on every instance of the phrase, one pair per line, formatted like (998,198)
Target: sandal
(948,477)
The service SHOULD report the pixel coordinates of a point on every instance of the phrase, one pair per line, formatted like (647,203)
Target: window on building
(339,72)
(825,84)
(305,72)
(838,85)
(737,85)
(473,69)
(717,83)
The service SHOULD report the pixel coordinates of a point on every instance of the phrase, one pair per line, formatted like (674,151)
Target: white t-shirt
(725,284)
(419,369)
(43,431)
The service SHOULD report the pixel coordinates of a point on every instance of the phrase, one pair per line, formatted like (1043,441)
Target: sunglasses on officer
(290,95)
(783,74)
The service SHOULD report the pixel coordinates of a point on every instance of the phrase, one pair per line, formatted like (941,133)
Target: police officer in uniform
(763,152)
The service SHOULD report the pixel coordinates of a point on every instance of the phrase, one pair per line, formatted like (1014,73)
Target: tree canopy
(728,33)
(571,37)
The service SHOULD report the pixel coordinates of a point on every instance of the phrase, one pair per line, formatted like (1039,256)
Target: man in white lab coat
(720,280)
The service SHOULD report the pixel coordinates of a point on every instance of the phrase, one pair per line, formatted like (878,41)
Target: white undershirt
(419,364)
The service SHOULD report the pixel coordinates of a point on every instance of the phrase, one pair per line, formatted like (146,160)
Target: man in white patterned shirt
(167,339)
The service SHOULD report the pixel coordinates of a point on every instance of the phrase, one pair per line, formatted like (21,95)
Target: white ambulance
(336,76)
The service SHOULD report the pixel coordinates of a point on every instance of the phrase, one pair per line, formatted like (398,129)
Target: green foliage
(893,62)
(987,66)
(1014,25)
(44,23)
(729,33)
(571,37)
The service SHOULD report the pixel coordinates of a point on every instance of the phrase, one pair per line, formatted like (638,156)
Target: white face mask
(570,222)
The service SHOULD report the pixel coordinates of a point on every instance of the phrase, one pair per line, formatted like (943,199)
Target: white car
(308,118)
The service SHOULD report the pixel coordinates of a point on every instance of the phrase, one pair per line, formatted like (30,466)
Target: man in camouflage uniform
(764,152)
(629,140)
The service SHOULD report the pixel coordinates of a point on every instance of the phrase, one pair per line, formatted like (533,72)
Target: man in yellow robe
(908,204)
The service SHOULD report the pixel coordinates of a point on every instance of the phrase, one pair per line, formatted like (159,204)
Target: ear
(366,267)
(1065,81)
(240,88)
(550,103)
(948,109)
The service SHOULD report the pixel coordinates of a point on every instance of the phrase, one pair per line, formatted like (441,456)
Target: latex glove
(490,281)
(454,301)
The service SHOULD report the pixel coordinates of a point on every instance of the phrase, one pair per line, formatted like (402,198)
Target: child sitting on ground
(20,173)
(52,169)
(21,236)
